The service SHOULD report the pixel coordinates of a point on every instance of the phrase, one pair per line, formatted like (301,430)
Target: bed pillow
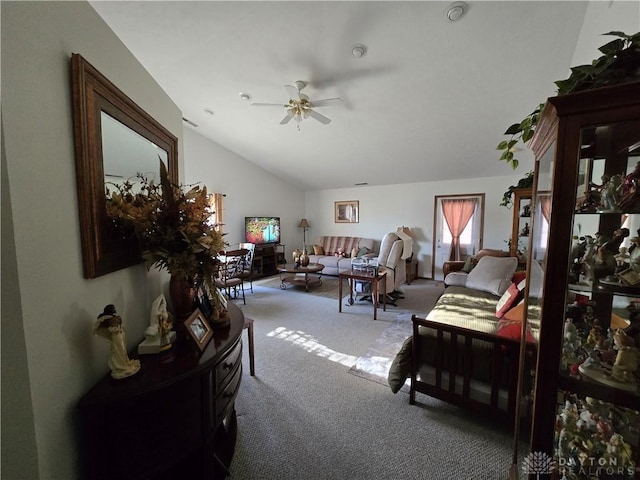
(492,274)
(458,279)
(510,298)
(536,277)
(401,366)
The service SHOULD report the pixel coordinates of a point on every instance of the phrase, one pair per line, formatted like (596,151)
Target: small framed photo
(199,329)
(347,211)
(629,277)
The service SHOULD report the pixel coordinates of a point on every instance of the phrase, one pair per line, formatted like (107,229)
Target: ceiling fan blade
(327,102)
(268,105)
(292,92)
(319,117)
(286,119)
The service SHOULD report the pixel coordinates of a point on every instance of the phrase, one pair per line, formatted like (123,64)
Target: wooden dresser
(173,420)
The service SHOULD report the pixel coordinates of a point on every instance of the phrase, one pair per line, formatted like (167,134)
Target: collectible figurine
(108,326)
(626,362)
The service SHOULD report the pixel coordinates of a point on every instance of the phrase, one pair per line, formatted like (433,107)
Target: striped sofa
(332,246)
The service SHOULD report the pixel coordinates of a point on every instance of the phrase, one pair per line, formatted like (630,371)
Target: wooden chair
(247,270)
(230,275)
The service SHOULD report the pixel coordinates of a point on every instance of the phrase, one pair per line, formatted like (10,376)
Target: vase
(182,294)
(304,259)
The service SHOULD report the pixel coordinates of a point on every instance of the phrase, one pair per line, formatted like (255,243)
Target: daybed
(466,349)
(335,252)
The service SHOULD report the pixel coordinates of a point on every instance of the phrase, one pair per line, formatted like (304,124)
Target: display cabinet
(521,225)
(584,286)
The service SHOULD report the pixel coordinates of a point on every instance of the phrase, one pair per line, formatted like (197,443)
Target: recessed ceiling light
(245,96)
(456,11)
(358,50)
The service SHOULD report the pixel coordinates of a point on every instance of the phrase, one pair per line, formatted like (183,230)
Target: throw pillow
(401,366)
(309,249)
(516,313)
(519,276)
(354,252)
(469,263)
(509,298)
(513,329)
(318,250)
(362,251)
(492,274)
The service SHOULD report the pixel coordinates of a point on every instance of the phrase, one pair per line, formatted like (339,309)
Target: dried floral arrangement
(172,225)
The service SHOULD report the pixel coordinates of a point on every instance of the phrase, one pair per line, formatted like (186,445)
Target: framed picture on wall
(347,211)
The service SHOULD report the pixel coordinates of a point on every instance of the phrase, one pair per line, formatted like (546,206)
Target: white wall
(250,190)
(603,17)
(385,208)
(48,307)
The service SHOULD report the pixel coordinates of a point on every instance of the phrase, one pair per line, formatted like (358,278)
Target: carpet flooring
(328,288)
(305,415)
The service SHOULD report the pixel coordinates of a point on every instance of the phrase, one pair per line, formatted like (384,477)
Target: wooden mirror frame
(93,94)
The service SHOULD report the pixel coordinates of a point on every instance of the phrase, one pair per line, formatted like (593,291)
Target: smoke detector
(358,50)
(456,11)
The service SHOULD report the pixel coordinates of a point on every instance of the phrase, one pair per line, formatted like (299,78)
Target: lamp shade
(304,223)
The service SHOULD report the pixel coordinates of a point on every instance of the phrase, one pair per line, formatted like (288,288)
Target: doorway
(465,212)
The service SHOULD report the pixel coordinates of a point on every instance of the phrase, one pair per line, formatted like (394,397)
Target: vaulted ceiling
(428,101)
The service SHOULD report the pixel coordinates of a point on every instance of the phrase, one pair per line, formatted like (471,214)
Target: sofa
(336,252)
(466,349)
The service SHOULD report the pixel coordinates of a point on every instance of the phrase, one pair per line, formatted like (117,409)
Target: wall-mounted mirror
(115,140)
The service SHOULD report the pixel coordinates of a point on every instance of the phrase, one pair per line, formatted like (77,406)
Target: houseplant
(172,225)
(619,63)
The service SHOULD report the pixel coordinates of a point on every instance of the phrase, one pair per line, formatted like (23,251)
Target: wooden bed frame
(504,354)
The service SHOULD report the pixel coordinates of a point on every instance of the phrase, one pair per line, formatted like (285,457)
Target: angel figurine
(108,326)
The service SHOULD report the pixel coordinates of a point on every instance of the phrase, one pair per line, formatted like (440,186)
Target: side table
(412,270)
(365,276)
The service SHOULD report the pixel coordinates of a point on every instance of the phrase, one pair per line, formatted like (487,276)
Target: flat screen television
(262,230)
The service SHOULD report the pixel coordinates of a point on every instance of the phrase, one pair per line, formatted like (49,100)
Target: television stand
(266,258)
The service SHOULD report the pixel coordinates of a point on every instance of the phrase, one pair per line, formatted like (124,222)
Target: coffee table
(366,276)
(299,276)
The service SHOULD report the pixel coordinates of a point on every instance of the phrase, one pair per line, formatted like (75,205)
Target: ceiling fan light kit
(456,11)
(300,107)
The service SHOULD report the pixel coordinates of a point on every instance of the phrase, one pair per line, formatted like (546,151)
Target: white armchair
(390,257)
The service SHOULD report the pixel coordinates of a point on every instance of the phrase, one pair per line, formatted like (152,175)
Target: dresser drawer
(227,366)
(228,395)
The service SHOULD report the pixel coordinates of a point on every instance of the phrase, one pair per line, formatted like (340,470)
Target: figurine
(634,254)
(108,326)
(605,263)
(626,362)
(158,335)
(630,199)
(611,192)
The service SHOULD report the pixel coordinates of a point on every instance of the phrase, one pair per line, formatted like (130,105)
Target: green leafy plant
(619,63)
(524,182)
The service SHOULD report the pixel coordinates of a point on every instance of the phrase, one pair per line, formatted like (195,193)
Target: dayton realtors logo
(537,463)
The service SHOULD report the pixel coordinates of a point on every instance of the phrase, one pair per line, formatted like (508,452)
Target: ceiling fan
(300,107)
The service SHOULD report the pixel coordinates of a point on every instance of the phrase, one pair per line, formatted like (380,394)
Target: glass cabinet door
(583,288)
(597,423)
